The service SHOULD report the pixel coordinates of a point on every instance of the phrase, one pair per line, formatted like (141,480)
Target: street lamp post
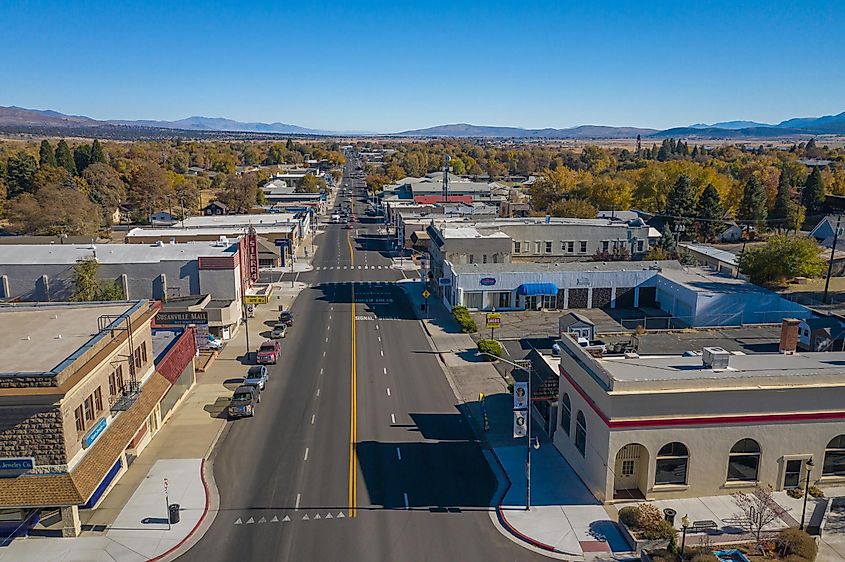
(684,527)
(525,366)
(808,466)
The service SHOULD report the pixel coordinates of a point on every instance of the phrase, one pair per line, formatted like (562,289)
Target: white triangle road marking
(262,520)
(328,515)
(340,515)
(274,519)
(287,518)
(238,521)
(250,521)
(305,517)
(317,516)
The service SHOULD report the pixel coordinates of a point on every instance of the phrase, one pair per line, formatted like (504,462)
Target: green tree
(710,213)
(680,203)
(785,212)
(752,208)
(310,184)
(87,288)
(64,157)
(782,257)
(106,188)
(81,157)
(46,154)
(667,241)
(240,193)
(97,153)
(812,196)
(20,174)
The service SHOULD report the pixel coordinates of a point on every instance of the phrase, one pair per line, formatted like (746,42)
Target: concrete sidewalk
(132,514)
(565,518)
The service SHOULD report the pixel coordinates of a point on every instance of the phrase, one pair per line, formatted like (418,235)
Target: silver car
(256,376)
(280,330)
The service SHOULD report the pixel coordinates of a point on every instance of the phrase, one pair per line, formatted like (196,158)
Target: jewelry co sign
(487,281)
(12,466)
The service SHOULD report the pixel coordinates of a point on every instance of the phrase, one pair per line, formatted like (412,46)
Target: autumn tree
(782,257)
(752,209)
(240,193)
(54,210)
(310,184)
(149,188)
(710,214)
(575,208)
(786,212)
(106,189)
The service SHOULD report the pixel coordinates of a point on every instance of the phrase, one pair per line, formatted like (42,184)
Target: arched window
(743,461)
(566,414)
(834,457)
(672,461)
(581,433)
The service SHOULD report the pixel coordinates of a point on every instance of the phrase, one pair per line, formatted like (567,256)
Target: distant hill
(14,115)
(198,123)
(801,126)
(730,125)
(464,130)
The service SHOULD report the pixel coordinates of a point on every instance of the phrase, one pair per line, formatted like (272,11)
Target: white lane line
(330,316)
(318,392)
(393,419)
(313,417)
(298,497)
(388,391)
(321,370)
(382,352)
(306,454)
(379,339)
(398,453)
(385,370)
(327,339)
(407,506)
(324,354)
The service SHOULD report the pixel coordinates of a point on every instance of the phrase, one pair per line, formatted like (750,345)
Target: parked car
(256,376)
(243,402)
(214,343)
(286,317)
(280,330)
(268,353)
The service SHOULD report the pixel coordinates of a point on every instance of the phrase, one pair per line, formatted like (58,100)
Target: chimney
(789,335)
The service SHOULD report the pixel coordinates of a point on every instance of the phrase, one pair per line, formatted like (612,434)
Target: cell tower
(446,160)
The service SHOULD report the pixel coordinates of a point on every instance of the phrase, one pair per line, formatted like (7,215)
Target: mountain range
(21,120)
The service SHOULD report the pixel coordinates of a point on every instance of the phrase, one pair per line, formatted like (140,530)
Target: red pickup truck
(269,352)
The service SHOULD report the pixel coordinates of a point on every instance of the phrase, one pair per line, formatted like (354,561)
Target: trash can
(669,514)
(173,513)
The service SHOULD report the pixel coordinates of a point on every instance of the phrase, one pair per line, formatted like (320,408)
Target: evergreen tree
(672,146)
(64,158)
(711,213)
(680,203)
(82,157)
(667,241)
(663,153)
(694,154)
(812,196)
(46,154)
(97,153)
(20,174)
(289,145)
(785,211)
(752,208)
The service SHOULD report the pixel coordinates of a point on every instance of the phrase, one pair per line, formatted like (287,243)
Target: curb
(178,545)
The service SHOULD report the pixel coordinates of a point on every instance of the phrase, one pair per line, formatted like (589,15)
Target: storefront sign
(493,320)
(94,433)
(186,317)
(444,282)
(255,299)
(487,281)
(252,254)
(17,464)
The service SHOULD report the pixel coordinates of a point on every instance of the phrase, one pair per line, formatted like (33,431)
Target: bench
(702,526)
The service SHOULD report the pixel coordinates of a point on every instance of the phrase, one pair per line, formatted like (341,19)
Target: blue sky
(389,66)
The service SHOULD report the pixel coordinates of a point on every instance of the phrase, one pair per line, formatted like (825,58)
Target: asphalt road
(357,451)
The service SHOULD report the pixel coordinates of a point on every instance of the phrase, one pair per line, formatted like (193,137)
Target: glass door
(792,474)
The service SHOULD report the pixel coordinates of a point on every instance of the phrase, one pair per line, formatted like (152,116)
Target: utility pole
(830,263)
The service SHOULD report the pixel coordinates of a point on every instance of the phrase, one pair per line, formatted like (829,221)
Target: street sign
(494,320)
(426,294)
(520,395)
(520,423)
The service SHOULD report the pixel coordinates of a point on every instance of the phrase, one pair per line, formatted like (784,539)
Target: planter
(639,545)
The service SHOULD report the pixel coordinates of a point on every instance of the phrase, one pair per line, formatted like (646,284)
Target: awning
(536,289)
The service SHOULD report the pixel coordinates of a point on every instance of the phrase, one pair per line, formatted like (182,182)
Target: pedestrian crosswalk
(328,267)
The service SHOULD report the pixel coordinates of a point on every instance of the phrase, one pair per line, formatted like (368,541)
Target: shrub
(704,557)
(465,321)
(661,530)
(816,492)
(663,555)
(649,516)
(795,493)
(490,346)
(793,542)
(630,516)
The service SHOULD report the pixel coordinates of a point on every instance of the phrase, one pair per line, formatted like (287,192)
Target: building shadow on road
(445,473)
(379,299)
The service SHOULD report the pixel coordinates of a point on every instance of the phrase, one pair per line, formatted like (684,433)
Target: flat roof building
(715,422)
(81,393)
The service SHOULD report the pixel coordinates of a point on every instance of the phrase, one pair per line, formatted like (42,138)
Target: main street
(357,451)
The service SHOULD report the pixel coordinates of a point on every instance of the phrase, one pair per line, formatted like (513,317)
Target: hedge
(490,346)
(465,321)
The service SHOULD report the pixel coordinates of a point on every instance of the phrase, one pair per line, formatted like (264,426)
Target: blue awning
(536,289)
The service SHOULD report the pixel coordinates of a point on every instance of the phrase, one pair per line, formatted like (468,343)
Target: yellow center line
(353,411)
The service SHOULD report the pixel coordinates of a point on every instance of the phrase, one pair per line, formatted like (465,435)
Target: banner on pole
(520,395)
(520,421)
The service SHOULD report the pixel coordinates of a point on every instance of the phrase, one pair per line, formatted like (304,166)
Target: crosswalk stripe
(262,520)
(305,517)
(286,519)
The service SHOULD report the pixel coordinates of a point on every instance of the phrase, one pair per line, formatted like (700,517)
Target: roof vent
(715,358)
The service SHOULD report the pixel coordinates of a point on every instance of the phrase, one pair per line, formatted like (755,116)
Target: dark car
(244,400)
(286,318)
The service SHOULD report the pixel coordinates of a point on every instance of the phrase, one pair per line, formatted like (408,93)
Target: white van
(335,219)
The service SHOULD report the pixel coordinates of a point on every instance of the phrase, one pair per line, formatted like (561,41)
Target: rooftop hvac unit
(715,358)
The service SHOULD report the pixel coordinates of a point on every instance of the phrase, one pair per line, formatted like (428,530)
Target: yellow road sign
(494,320)
(426,294)
(255,299)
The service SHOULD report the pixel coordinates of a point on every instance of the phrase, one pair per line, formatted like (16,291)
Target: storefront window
(834,457)
(744,461)
(566,414)
(672,461)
